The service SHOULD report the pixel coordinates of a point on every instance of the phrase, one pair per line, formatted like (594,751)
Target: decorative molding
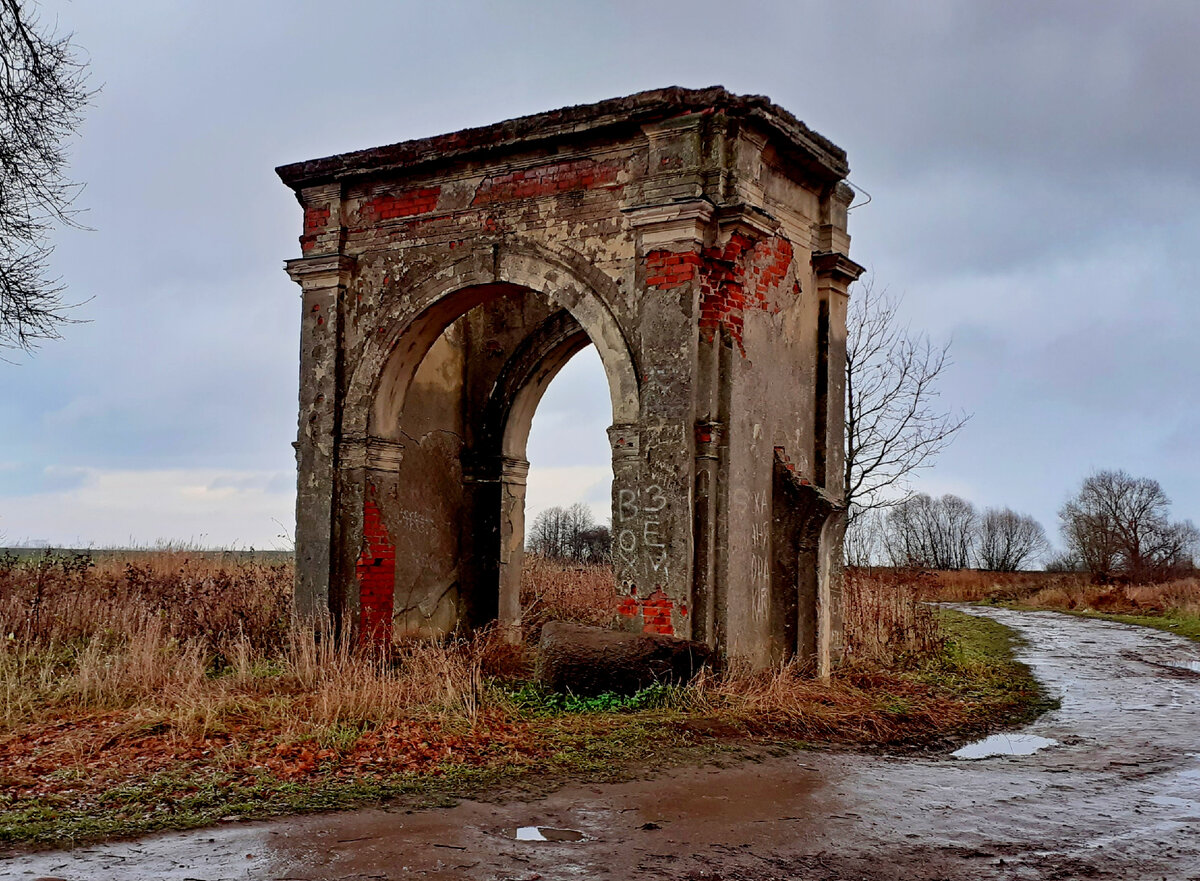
(836,266)
(375,453)
(676,223)
(624,441)
(321,271)
(749,220)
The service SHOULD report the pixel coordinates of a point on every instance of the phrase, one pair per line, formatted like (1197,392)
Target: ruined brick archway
(698,240)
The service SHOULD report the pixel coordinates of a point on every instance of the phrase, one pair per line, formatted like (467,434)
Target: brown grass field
(172,688)
(1071,591)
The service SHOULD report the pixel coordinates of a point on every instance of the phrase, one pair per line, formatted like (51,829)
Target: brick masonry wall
(376,572)
(654,611)
(405,203)
(741,275)
(547,180)
(316,221)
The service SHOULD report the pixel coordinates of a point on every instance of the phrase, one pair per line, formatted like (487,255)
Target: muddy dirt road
(1117,796)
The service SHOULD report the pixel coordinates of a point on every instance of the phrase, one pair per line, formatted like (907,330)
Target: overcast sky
(1034,169)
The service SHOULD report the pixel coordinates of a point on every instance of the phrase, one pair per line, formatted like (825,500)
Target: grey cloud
(1033,167)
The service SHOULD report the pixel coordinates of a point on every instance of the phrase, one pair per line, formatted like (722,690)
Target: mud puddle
(548,833)
(1004,745)
(1117,797)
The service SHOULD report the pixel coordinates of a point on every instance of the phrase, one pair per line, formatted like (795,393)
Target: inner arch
(446,454)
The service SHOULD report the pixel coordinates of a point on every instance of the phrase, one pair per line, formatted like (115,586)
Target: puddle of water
(1004,745)
(547,833)
(1190,666)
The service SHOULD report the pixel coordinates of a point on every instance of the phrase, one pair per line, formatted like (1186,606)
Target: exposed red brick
(315,218)
(742,275)
(376,572)
(669,269)
(656,614)
(547,180)
(405,203)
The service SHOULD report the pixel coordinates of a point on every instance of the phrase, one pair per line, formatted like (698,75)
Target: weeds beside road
(172,690)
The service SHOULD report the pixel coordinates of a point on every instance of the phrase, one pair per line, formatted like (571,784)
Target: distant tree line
(1116,527)
(569,534)
(946,533)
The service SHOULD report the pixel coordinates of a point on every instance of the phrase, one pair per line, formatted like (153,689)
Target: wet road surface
(1116,796)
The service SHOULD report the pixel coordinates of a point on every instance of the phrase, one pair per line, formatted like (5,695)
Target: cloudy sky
(1035,184)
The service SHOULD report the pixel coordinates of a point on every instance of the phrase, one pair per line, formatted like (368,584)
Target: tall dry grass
(203,642)
(557,590)
(1069,591)
(975,585)
(888,616)
(1181,596)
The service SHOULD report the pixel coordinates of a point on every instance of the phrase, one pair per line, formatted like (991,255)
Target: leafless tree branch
(43,91)
(893,422)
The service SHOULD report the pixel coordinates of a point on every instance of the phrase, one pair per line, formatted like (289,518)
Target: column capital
(836,268)
(624,440)
(672,225)
(749,220)
(374,453)
(327,270)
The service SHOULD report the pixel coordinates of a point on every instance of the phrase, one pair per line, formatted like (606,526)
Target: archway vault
(698,240)
(415,308)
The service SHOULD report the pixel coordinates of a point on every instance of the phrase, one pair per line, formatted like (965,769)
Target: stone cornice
(836,266)
(311,271)
(574,122)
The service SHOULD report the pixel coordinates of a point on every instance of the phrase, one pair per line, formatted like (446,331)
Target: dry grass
(198,643)
(887,618)
(187,667)
(560,591)
(1069,591)
(975,585)
(203,644)
(1181,596)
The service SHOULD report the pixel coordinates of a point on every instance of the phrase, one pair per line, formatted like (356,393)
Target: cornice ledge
(836,266)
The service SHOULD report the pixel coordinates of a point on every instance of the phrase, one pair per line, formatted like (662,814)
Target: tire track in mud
(1118,797)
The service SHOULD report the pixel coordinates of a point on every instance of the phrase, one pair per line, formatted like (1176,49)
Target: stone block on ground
(591,660)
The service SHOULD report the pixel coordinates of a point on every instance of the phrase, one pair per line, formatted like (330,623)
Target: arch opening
(447,468)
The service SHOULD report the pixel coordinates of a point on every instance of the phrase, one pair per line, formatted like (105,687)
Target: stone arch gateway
(698,239)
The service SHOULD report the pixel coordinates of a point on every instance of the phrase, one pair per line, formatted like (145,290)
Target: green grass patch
(535,700)
(979,661)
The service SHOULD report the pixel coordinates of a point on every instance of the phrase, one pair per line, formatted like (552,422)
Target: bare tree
(865,543)
(933,533)
(569,534)
(1008,540)
(1118,525)
(893,423)
(43,90)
